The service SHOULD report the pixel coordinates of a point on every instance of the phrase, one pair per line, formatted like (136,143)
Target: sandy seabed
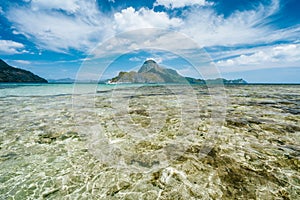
(150,142)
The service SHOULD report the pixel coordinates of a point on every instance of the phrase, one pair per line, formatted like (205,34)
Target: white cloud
(157,55)
(24,62)
(70,6)
(131,19)
(11,47)
(180,3)
(208,28)
(82,26)
(135,59)
(57,31)
(156,59)
(16,32)
(202,25)
(189,71)
(269,57)
(142,39)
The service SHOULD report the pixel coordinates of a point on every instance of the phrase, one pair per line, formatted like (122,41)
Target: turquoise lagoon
(89,141)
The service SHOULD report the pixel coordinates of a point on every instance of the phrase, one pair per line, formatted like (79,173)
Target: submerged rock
(50,137)
(8,156)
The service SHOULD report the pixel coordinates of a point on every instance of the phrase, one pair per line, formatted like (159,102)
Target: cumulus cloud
(131,19)
(269,57)
(11,47)
(49,28)
(180,3)
(208,28)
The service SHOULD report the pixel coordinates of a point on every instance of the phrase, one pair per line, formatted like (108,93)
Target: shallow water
(149,142)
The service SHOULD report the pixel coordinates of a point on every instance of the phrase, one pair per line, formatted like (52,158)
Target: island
(151,72)
(9,74)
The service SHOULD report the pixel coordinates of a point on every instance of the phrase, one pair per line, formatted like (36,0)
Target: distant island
(151,72)
(9,74)
(62,80)
(71,81)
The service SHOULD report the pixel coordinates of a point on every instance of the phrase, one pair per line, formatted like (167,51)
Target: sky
(257,40)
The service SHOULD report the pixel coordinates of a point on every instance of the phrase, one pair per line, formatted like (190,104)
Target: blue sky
(257,40)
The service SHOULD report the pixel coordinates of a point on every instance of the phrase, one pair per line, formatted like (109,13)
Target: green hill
(11,74)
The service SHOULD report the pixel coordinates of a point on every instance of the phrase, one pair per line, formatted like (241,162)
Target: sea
(149,141)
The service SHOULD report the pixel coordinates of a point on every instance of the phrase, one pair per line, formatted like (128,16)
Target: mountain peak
(148,65)
(150,61)
(150,72)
